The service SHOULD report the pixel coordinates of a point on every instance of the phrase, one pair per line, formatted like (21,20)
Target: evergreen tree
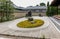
(42,4)
(48,8)
(6,9)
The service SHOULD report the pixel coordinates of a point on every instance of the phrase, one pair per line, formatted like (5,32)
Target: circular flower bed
(29,24)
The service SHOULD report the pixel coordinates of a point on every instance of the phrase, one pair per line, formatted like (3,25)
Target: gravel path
(56,22)
(50,31)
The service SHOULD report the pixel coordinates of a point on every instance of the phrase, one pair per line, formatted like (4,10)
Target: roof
(31,7)
(36,7)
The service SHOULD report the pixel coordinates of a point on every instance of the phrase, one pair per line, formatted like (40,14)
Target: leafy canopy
(42,4)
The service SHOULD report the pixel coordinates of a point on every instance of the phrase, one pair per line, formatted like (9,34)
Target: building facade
(32,8)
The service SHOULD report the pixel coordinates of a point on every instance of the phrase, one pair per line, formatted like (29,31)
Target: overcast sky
(25,3)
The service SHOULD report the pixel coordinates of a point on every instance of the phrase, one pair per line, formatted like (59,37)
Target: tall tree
(42,4)
(48,9)
(55,3)
(6,9)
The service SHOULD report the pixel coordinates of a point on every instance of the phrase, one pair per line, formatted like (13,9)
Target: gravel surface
(58,26)
(57,20)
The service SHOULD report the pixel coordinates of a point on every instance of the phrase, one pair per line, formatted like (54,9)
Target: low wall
(17,15)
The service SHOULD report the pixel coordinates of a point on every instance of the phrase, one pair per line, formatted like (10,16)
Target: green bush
(58,11)
(51,11)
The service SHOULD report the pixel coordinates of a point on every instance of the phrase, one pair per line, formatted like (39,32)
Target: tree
(55,3)
(53,10)
(42,4)
(6,9)
(48,8)
(37,5)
